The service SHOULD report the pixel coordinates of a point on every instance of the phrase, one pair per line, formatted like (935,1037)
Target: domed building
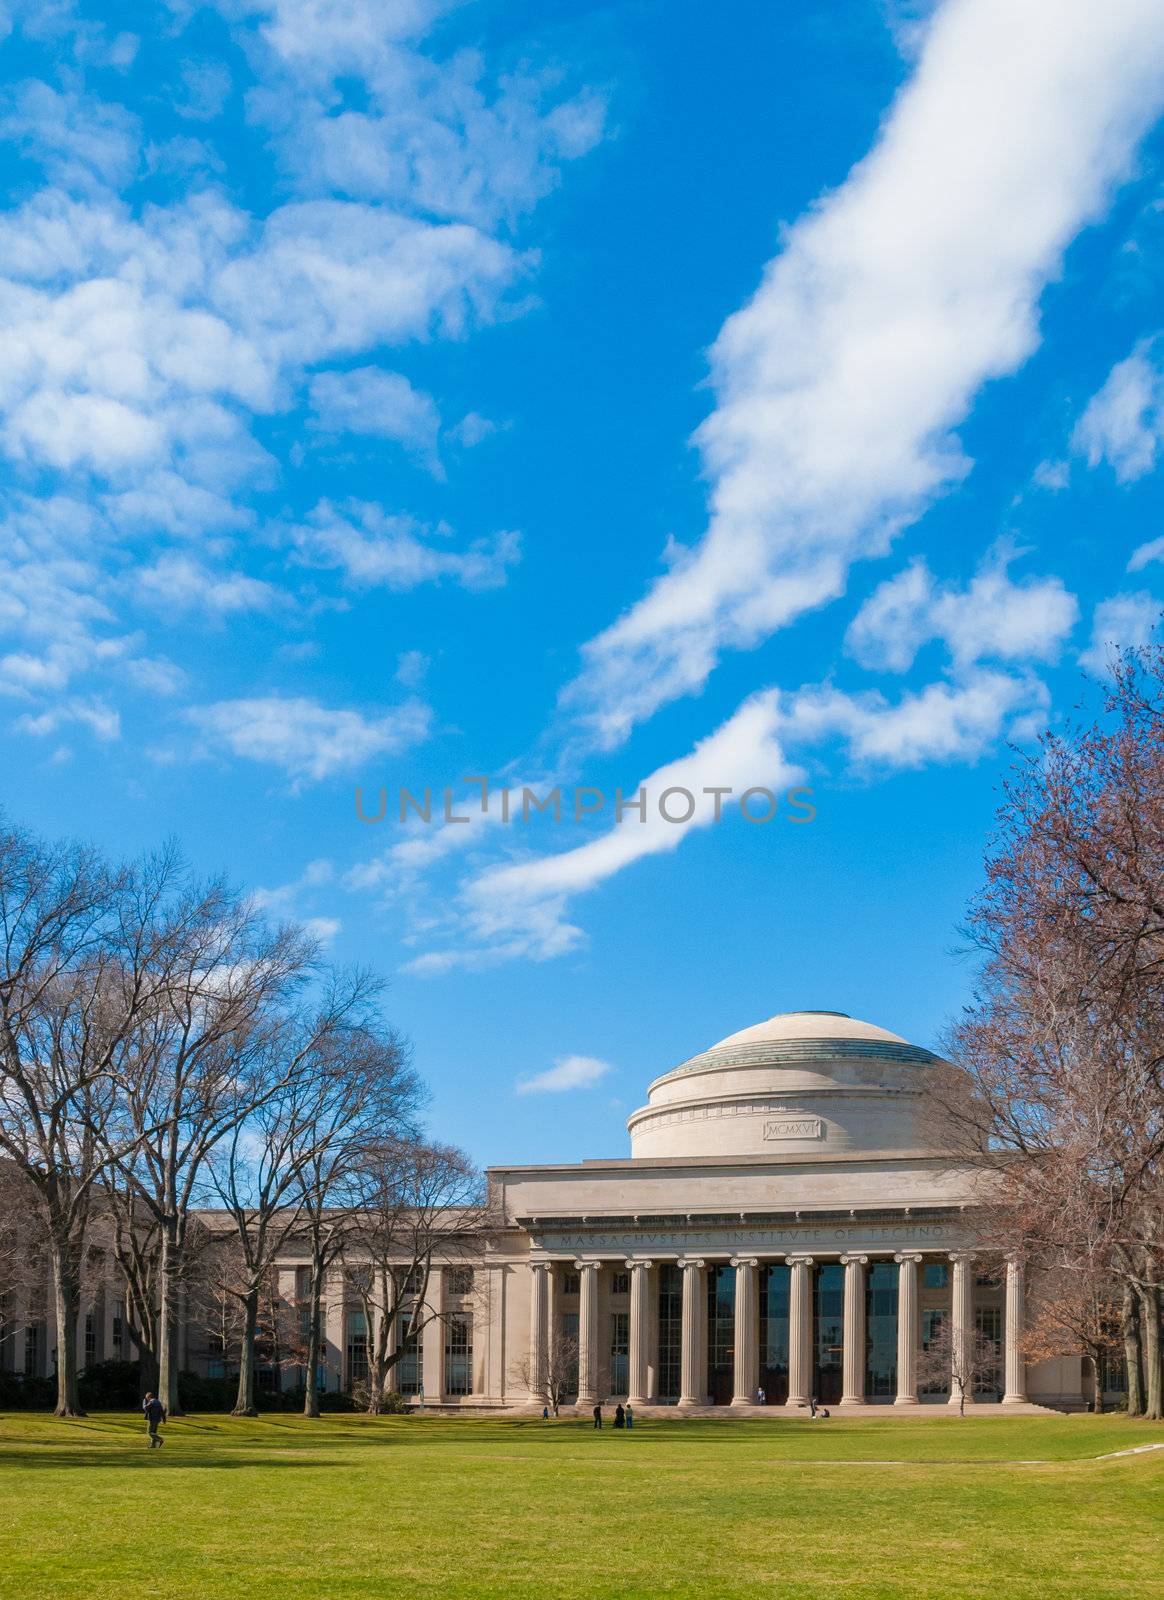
(785,1229)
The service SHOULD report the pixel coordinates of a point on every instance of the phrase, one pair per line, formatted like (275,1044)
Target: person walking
(598,1416)
(619,1417)
(630,1416)
(545,1413)
(155,1414)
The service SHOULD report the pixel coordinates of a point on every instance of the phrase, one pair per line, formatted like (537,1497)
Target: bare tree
(70,995)
(221,980)
(959,1359)
(1058,1086)
(368,1093)
(559,1371)
(417,1201)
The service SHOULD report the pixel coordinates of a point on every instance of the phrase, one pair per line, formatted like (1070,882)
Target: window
(619,1352)
(117,1331)
(459,1280)
(620,1283)
(90,1338)
(414,1282)
(459,1354)
(931,1326)
(988,1322)
(32,1350)
(881,1330)
(721,1333)
(570,1283)
(935,1275)
(410,1367)
(570,1333)
(357,1348)
(670,1331)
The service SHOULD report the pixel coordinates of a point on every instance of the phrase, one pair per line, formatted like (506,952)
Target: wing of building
(783,1231)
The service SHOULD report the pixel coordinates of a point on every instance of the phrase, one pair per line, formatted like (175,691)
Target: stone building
(779,1231)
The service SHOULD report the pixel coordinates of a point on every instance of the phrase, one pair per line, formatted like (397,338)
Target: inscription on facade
(794,1128)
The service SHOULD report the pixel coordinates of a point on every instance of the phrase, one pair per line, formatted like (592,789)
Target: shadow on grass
(51,1458)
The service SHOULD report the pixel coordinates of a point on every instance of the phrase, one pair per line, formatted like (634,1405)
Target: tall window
(459,1354)
(619,1352)
(303,1303)
(881,1330)
(935,1275)
(931,1326)
(357,1348)
(117,1330)
(571,1283)
(775,1283)
(670,1331)
(827,1330)
(459,1280)
(410,1367)
(90,1338)
(988,1322)
(620,1283)
(32,1350)
(721,1333)
(570,1332)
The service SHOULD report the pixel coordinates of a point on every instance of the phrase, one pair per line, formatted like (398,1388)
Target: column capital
(638,1262)
(585,1266)
(691,1261)
(915,1256)
(957,1256)
(744,1261)
(799,1261)
(854,1261)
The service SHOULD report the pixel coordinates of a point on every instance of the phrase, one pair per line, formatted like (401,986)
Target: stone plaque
(794,1128)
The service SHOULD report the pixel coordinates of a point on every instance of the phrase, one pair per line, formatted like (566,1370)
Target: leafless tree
(368,1092)
(417,1201)
(71,991)
(1058,1087)
(958,1359)
(559,1371)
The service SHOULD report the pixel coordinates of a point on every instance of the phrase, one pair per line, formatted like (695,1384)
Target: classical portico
(783,1230)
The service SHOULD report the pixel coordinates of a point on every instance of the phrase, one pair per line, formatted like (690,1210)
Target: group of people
(624,1417)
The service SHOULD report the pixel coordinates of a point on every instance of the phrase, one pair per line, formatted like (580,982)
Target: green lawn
(998,1507)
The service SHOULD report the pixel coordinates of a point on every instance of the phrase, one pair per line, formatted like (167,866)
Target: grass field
(999,1507)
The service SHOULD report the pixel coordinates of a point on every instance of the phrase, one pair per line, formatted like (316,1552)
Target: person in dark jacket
(619,1417)
(598,1416)
(155,1414)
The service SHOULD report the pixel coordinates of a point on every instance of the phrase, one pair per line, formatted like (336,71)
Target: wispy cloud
(890,305)
(306,739)
(1124,422)
(568,1072)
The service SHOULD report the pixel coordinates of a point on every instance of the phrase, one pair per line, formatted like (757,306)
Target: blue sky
(735,396)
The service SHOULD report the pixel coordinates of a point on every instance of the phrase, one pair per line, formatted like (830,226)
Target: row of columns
(693,1352)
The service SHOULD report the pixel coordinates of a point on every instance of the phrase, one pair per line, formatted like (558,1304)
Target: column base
(742,1400)
(848,1401)
(688,1404)
(1015,1400)
(796,1402)
(907,1400)
(956,1400)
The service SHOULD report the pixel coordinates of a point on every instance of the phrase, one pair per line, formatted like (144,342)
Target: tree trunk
(171,1268)
(66,1301)
(314,1340)
(1131,1328)
(244,1405)
(1153,1372)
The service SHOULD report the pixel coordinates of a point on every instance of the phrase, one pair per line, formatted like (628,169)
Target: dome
(802,1082)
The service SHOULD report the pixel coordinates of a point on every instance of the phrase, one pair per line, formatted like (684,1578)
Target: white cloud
(177,582)
(373,550)
(1145,554)
(79,141)
(993,617)
(944,722)
(1123,621)
(521,909)
(102,720)
(306,739)
(383,404)
(892,302)
(1052,475)
(1124,422)
(568,1072)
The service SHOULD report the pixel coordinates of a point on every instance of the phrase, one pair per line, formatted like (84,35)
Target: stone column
(747,1332)
(334,1329)
(538,1296)
(587,1332)
(1015,1393)
(432,1339)
(553,1318)
(961,1321)
(907,1328)
(692,1361)
(640,1321)
(800,1331)
(853,1337)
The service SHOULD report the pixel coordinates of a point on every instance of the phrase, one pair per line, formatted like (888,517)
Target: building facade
(782,1229)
